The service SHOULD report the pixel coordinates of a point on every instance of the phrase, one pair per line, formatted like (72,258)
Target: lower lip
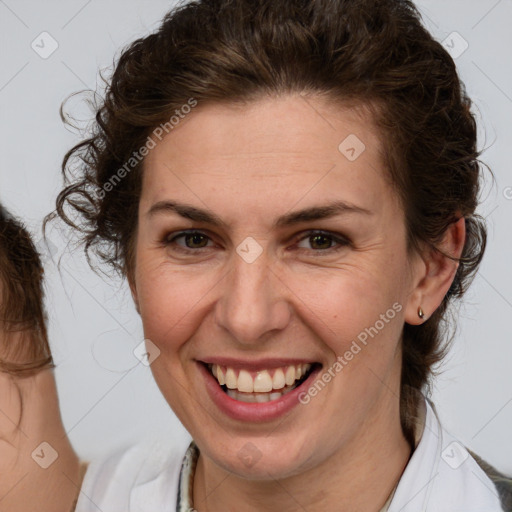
(253,412)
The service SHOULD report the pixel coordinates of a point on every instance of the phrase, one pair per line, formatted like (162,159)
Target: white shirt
(441,476)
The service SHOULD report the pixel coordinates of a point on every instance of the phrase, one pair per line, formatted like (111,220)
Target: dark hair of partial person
(374,54)
(24,347)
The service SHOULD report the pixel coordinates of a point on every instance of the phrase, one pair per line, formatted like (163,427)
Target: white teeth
(220,375)
(262,397)
(278,381)
(290,375)
(246,397)
(231,380)
(232,394)
(245,382)
(262,383)
(256,397)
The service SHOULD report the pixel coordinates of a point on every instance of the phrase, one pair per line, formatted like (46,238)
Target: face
(271,255)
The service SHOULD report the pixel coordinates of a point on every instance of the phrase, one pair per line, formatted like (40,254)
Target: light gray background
(107,398)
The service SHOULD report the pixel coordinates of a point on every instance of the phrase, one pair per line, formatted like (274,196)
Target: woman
(38,467)
(290,189)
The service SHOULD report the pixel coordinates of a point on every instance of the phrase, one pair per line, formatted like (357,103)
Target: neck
(359,477)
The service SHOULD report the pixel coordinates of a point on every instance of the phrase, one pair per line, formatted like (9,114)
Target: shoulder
(139,477)
(503,483)
(442,476)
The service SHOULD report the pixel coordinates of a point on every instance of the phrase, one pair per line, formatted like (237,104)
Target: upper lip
(255,364)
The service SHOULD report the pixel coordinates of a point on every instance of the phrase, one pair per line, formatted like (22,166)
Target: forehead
(290,145)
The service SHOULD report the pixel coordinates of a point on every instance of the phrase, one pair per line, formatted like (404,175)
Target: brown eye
(319,241)
(188,240)
(195,240)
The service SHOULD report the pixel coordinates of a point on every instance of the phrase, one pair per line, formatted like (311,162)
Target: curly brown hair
(374,53)
(24,346)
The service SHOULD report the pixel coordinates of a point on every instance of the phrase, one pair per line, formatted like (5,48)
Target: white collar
(441,475)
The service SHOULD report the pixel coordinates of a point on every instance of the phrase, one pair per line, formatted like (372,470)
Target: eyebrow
(306,215)
(319,213)
(187,211)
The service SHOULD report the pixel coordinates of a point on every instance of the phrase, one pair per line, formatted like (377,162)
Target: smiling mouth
(262,385)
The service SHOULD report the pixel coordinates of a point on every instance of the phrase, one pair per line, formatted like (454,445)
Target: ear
(433,273)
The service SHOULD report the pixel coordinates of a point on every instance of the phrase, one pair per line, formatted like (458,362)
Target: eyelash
(339,240)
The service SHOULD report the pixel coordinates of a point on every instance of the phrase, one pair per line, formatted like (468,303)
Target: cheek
(342,304)
(171,302)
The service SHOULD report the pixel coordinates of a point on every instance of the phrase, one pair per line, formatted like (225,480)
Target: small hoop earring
(420,313)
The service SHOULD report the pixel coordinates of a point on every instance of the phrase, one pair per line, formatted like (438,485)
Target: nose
(253,305)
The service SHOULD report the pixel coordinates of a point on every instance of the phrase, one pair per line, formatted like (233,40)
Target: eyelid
(341,240)
(177,234)
(170,238)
